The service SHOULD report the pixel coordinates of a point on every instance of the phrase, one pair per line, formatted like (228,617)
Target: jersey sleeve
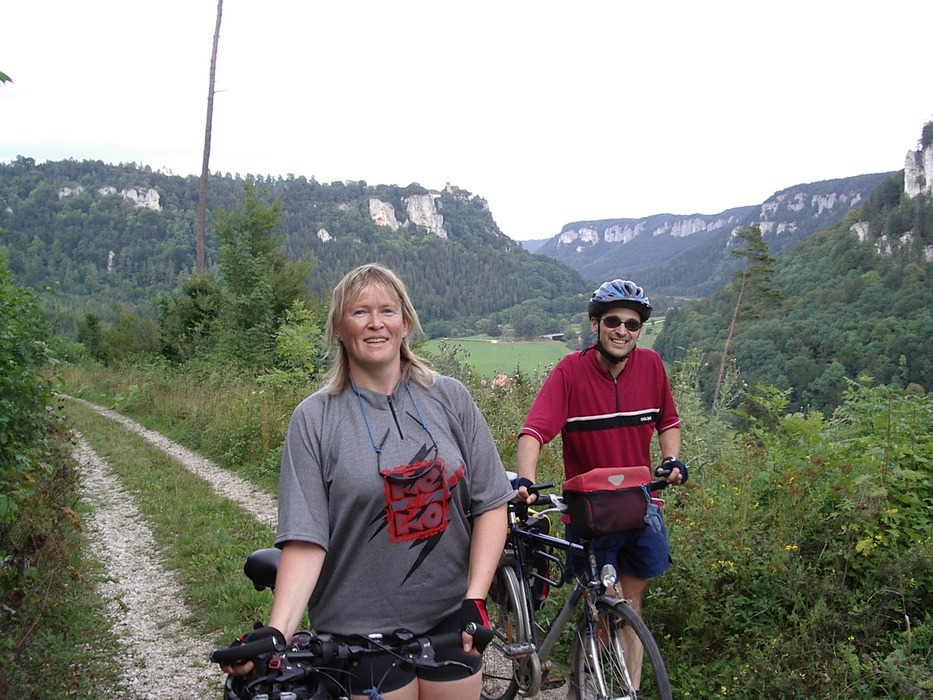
(548,413)
(303,495)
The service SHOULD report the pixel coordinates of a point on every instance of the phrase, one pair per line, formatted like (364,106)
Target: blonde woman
(392,497)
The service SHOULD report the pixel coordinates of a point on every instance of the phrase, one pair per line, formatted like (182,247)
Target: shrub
(25,395)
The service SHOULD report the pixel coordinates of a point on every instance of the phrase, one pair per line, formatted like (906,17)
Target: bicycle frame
(524,543)
(612,646)
(523,538)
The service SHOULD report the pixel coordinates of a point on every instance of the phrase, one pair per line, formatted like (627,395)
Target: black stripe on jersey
(618,420)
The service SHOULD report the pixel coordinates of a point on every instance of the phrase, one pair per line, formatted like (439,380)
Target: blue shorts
(383,672)
(643,554)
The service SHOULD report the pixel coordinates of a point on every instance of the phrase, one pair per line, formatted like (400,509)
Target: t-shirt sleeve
(489,484)
(303,497)
(668,417)
(548,413)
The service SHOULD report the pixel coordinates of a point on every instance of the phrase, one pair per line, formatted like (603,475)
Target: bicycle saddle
(261,567)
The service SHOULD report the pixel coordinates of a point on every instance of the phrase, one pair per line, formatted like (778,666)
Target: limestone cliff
(648,249)
(918,171)
(383,213)
(421,211)
(147,197)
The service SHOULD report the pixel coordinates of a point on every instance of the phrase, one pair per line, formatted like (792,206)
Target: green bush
(25,395)
(802,555)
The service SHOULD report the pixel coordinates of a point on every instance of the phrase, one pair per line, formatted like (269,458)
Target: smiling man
(607,402)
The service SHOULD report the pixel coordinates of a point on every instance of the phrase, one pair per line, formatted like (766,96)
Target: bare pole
(202,188)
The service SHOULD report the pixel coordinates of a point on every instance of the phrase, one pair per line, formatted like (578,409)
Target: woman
(392,497)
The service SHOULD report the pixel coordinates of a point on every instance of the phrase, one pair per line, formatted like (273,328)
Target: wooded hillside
(853,299)
(70,226)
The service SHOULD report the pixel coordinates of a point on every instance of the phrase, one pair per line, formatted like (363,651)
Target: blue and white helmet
(620,293)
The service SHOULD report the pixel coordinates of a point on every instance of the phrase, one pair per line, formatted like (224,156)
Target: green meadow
(490,356)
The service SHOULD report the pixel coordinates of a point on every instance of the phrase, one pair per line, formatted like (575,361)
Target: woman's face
(371,329)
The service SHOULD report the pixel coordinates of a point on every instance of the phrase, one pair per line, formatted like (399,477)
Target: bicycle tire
(503,675)
(599,669)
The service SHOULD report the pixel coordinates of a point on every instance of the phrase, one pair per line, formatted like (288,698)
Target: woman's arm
(299,568)
(489,530)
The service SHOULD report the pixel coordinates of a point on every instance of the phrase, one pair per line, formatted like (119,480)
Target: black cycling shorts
(383,673)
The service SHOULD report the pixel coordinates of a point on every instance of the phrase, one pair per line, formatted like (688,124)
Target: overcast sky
(553,111)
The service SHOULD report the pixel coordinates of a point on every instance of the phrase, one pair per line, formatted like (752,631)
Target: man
(607,402)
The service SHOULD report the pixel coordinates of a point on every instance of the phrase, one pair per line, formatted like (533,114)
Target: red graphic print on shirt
(418,499)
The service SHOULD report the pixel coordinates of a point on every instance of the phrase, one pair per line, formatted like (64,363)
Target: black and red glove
(473,615)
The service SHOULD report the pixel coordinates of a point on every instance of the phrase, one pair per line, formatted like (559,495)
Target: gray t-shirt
(397,548)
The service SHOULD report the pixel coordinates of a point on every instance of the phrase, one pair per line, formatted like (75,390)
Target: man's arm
(670,441)
(526,458)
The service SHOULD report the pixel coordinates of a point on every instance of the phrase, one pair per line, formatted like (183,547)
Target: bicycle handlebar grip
(243,652)
(658,485)
(481,635)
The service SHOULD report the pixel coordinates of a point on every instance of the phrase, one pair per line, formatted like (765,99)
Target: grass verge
(55,639)
(203,538)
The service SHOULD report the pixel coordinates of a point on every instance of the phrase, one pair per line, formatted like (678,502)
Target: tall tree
(753,284)
(202,189)
(261,283)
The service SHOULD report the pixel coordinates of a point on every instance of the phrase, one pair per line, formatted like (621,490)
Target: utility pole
(202,188)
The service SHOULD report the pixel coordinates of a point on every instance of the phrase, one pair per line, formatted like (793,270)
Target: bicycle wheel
(600,671)
(505,673)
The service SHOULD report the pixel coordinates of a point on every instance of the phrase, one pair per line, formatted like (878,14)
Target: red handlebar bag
(608,500)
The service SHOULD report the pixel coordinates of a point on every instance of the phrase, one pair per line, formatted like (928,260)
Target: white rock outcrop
(422,211)
(146,197)
(324,235)
(69,191)
(918,172)
(586,234)
(383,213)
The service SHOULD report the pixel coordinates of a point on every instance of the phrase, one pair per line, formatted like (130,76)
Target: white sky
(553,111)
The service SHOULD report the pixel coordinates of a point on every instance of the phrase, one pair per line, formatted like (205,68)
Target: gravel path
(260,504)
(145,605)
(144,602)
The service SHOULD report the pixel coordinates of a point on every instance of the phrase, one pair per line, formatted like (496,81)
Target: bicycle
(315,667)
(519,656)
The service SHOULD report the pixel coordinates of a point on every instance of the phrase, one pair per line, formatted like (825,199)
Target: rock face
(142,197)
(918,172)
(421,211)
(382,213)
(648,249)
(918,179)
(147,197)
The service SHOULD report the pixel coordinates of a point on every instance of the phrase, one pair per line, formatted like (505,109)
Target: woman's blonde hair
(414,368)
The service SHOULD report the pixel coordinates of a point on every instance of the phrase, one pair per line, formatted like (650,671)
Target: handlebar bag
(608,500)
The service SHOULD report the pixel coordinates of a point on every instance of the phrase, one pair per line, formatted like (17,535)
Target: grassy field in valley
(490,356)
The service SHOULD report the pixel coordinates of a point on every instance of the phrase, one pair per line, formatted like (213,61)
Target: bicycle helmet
(620,293)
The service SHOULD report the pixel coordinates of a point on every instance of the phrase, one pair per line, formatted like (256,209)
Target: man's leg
(632,588)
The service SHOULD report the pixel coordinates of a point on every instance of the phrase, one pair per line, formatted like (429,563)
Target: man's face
(618,341)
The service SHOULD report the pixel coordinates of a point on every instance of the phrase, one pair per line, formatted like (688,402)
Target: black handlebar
(326,649)
(245,652)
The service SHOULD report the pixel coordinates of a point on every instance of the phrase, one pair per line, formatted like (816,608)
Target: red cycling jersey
(604,422)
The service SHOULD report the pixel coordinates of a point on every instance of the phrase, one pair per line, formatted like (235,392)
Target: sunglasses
(614,322)
(417,469)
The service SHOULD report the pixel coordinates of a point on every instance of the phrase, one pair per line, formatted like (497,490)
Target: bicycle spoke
(599,658)
(504,673)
